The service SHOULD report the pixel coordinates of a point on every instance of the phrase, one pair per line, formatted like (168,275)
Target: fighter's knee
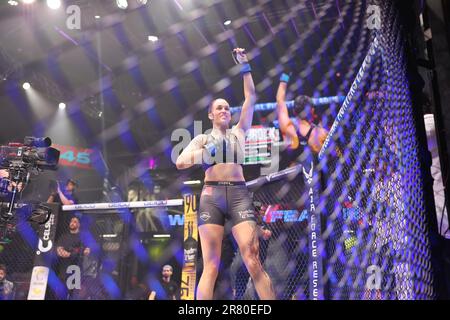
(254,268)
(252,263)
(211,270)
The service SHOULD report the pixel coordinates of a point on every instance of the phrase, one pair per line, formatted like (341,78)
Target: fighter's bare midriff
(225,172)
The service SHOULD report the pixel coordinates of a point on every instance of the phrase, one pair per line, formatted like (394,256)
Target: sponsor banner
(75,157)
(289,173)
(188,275)
(176,220)
(44,254)
(38,283)
(123,205)
(273,215)
(315,234)
(188,279)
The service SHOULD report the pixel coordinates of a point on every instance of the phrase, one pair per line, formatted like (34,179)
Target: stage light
(227,23)
(13,3)
(62,106)
(122,4)
(161,236)
(97,17)
(192,182)
(112,235)
(152,163)
(100,114)
(26,86)
(152,38)
(142,1)
(54,4)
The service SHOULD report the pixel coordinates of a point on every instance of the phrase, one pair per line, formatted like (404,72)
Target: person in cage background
(70,251)
(305,129)
(6,286)
(170,288)
(225,195)
(66,196)
(6,185)
(390,226)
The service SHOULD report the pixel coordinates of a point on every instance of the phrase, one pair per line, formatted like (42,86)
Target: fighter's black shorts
(222,200)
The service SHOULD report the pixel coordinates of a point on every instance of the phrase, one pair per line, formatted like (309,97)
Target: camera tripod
(33,212)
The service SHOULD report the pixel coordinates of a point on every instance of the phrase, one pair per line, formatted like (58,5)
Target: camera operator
(6,186)
(6,287)
(19,160)
(70,251)
(66,196)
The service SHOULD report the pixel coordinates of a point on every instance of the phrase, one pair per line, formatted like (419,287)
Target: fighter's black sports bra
(303,140)
(233,141)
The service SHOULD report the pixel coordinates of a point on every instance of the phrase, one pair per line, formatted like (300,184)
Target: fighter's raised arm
(246,118)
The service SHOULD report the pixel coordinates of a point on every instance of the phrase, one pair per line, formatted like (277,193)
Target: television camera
(17,162)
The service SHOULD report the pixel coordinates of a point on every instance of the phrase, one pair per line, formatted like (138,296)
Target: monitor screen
(258,144)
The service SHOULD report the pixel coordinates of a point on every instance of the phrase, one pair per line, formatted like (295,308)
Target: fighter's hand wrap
(245,68)
(240,57)
(210,148)
(289,71)
(284,77)
(214,145)
(218,149)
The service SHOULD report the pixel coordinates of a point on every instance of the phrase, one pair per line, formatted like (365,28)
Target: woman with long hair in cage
(225,194)
(304,129)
